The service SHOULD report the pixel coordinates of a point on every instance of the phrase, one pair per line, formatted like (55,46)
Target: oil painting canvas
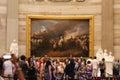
(60,37)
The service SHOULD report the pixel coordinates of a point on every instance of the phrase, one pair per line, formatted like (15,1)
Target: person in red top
(40,66)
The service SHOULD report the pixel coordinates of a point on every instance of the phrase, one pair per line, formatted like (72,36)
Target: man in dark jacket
(24,66)
(69,70)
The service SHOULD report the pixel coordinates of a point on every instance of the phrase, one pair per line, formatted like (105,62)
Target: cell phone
(7,56)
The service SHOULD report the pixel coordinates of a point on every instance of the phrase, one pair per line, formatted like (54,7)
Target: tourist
(116,68)
(24,66)
(7,66)
(102,67)
(95,67)
(48,70)
(69,70)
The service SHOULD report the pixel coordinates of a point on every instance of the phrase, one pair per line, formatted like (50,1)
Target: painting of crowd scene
(60,37)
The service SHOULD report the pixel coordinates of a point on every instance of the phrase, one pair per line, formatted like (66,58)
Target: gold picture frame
(34,27)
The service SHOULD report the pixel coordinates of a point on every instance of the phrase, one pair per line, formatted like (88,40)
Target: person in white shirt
(89,59)
(95,64)
(8,69)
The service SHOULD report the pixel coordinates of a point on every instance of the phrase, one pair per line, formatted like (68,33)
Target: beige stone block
(2,39)
(117,11)
(22,50)
(59,0)
(116,26)
(3,15)
(117,51)
(22,19)
(64,9)
(22,16)
(116,22)
(97,37)
(97,24)
(117,35)
(117,16)
(96,47)
(3,1)
(97,19)
(117,30)
(82,10)
(22,36)
(97,27)
(3,9)
(116,1)
(116,6)
(3,4)
(117,41)
(22,39)
(28,7)
(95,1)
(23,1)
(22,22)
(3,22)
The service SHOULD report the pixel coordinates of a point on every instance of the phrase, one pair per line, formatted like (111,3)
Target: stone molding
(57,0)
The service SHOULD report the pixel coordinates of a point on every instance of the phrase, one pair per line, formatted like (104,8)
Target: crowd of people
(46,68)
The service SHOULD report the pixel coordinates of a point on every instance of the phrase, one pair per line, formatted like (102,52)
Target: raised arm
(18,69)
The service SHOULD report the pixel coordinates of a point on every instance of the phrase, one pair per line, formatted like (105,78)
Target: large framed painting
(60,35)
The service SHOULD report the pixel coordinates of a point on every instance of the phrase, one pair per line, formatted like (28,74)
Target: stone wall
(3,17)
(117,28)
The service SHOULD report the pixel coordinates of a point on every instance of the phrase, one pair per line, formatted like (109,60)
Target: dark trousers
(102,72)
